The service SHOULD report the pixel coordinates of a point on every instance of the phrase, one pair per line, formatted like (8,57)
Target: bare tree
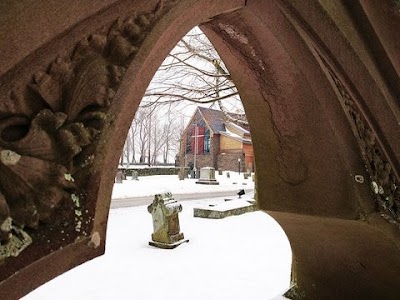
(164,136)
(157,139)
(142,134)
(128,155)
(168,139)
(194,73)
(172,131)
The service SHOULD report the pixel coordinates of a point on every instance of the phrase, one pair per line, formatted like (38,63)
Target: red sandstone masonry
(291,61)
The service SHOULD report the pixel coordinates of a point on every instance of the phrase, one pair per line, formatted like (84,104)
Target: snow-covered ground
(150,185)
(239,257)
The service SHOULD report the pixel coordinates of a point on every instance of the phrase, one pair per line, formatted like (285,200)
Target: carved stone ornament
(45,146)
(384,185)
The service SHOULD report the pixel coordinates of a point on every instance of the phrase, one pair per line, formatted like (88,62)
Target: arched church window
(207,141)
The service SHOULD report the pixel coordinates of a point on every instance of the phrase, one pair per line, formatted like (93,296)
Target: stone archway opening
(193,75)
(218,262)
(223,258)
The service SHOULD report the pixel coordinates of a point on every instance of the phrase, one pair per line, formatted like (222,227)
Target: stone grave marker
(119,176)
(164,211)
(207,176)
(135,175)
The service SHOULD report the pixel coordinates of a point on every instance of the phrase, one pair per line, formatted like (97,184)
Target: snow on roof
(217,121)
(235,136)
(236,128)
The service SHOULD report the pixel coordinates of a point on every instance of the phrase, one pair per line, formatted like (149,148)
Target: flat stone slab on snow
(225,209)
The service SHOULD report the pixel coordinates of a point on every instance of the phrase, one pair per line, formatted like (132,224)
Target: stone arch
(319,94)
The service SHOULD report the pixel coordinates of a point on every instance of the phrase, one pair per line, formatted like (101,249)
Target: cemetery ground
(142,191)
(238,257)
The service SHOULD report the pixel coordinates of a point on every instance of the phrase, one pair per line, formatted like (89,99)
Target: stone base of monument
(207,181)
(225,209)
(170,242)
(167,246)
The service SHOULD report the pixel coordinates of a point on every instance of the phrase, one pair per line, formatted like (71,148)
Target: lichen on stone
(68,177)
(77,212)
(18,241)
(95,240)
(295,294)
(9,157)
(75,199)
(6,225)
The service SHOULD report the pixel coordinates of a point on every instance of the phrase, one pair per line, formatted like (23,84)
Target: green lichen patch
(68,177)
(76,200)
(6,225)
(78,212)
(17,243)
(9,158)
(87,161)
(295,294)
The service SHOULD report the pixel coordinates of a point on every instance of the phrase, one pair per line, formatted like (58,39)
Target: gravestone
(207,176)
(135,175)
(164,211)
(119,176)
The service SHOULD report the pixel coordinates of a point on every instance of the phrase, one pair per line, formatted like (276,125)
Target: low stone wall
(150,171)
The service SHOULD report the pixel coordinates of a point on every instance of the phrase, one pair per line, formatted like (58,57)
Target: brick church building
(220,141)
